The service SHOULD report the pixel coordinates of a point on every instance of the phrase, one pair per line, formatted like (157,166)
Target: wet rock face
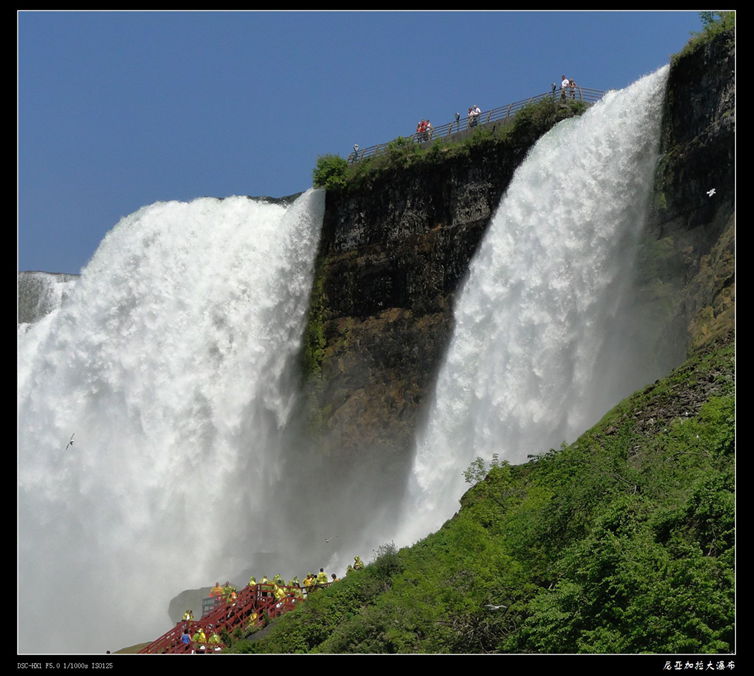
(690,240)
(39,293)
(392,257)
(391,261)
(698,144)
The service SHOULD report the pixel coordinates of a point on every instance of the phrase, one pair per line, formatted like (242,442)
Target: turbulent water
(544,338)
(168,366)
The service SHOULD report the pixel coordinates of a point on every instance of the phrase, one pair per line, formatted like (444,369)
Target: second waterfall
(544,337)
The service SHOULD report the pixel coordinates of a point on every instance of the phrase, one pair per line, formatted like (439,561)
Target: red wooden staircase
(228,616)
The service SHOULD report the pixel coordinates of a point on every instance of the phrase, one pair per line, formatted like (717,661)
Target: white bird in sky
(711,192)
(328,539)
(70,443)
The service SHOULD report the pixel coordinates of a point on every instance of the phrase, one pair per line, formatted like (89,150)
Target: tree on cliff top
(718,21)
(330,172)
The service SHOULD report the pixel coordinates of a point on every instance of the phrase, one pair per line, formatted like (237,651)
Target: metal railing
(451,130)
(227,615)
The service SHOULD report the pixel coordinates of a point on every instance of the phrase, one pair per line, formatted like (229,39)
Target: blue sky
(117,110)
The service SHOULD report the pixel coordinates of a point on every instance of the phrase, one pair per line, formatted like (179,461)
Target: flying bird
(328,539)
(491,607)
(711,192)
(70,443)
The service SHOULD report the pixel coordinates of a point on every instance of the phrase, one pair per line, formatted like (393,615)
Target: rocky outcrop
(392,255)
(688,257)
(39,293)
(190,599)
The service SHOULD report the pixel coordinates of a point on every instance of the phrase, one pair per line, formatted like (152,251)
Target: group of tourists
(298,589)
(293,591)
(201,642)
(566,85)
(473,116)
(424,131)
(424,128)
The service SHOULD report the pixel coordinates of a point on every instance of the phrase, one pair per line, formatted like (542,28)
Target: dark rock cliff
(688,264)
(394,253)
(38,293)
(391,259)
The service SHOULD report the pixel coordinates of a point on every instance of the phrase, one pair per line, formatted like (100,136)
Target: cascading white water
(169,362)
(540,348)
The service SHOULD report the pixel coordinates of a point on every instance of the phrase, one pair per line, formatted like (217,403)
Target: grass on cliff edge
(332,172)
(621,542)
(714,23)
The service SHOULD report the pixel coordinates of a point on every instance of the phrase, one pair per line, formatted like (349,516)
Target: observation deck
(462,126)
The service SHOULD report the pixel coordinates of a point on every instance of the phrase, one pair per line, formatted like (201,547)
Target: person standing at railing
(572,87)
(200,638)
(474,113)
(252,621)
(229,593)
(563,87)
(295,586)
(185,637)
(265,587)
(421,131)
(279,593)
(215,642)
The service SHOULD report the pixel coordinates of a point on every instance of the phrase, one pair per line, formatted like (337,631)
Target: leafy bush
(330,172)
(387,563)
(527,125)
(713,24)
(478,468)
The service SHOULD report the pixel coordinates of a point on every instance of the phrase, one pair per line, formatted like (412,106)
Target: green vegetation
(330,172)
(622,542)
(713,24)
(314,333)
(528,124)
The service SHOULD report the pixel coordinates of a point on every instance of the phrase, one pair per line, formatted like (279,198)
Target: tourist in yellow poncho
(200,638)
(215,641)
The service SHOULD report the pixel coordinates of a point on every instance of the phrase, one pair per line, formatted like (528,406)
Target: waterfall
(169,366)
(544,333)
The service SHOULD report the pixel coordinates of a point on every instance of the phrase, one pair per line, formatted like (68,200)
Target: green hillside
(621,542)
